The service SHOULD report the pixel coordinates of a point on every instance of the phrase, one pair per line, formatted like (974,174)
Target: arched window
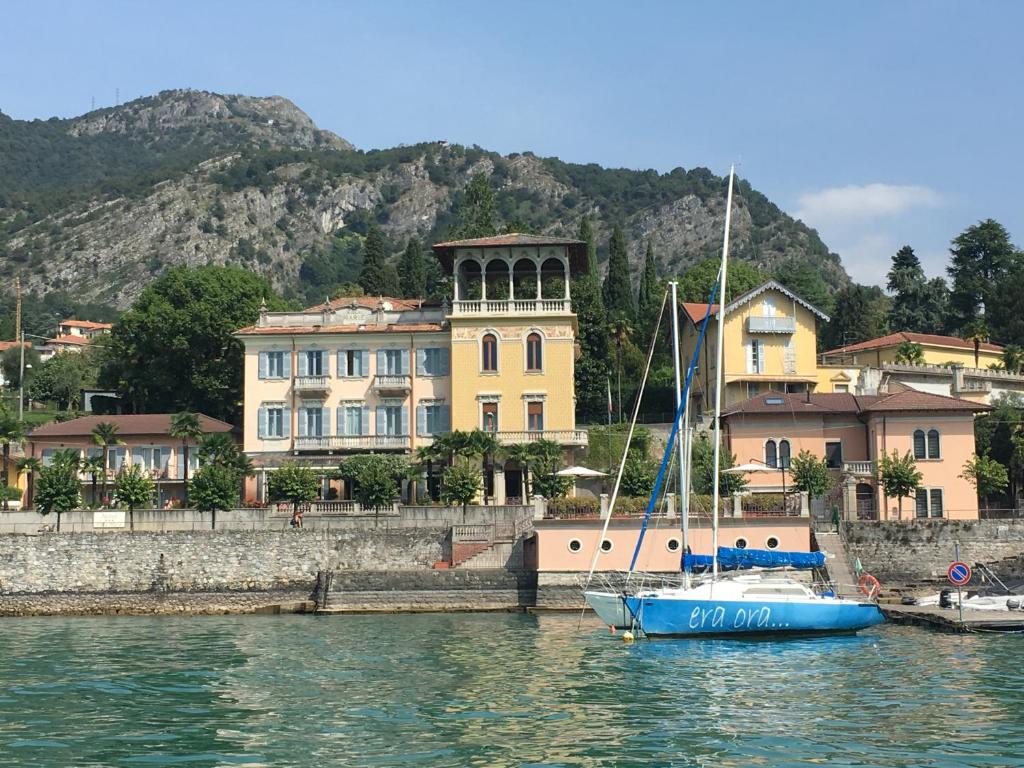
(489,349)
(784,454)
(933,444)
(533,352)
(919,448)
(770,457)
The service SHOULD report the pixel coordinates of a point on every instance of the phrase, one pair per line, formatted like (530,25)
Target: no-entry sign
(959,573)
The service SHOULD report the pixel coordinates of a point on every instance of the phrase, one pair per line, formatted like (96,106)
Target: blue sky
(878,123)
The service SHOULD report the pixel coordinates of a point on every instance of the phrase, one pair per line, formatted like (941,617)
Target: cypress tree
(618,289)
(478,213)
(412,272)
(377,277)
(587,235)
(647,296)
(592,365)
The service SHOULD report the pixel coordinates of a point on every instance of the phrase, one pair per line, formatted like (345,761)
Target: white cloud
(857,203)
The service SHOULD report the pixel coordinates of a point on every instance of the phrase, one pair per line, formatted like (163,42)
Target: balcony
(392,383)
(859,468)
(353,443)
(513,307)
(560,436)
(766,324)
(312,383)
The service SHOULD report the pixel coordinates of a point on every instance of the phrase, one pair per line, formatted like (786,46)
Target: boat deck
(948,619)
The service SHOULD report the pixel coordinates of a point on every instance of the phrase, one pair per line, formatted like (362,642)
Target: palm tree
(621,330)
(93,466)
(185,426)
(105,434)
(423,461)
(977,332)
(30,465)
(11,431)
(485,446)
(909,353)
(1013,358)
(523,454)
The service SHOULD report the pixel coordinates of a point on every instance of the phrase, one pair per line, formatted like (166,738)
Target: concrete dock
(948,619)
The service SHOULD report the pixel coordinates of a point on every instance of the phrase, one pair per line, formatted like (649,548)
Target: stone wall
(214,561)
(923,550)
(492,589)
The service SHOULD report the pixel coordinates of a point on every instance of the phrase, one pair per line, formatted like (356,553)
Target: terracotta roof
(577,248)
(5,345)
(931,339)
(289,330)
(696,311)
(66,338)
(87,324)
(842,402)
(368,302)
(135,424)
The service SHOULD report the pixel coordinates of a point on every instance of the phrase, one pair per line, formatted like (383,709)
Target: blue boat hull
(666,616)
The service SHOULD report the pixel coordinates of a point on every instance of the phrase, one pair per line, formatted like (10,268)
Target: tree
(695,286)
(649,294)
(62,377)
(478,213)
(220,449)
(998,433)
(213,488)
(460,484)
(586,234)
(58,490)
(801,277)
(919,305)
(377,277)
(295,483)
(1013,358)
(638,475)
(545,460)
(105,435)
(133,488)
(981,258)
(703,465)
(185,427)
(899,477)
(909,353)
(810,474)
(859,315)
(31,466)
(94,466)
(523,455)
(987,476)
(592,366)
(412,272)
(12,431)
(175,348)
(10,365)
(618,287)
(375,478)
(621,330)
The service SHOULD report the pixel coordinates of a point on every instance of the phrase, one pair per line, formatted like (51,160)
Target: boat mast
(719,349)
(682,445)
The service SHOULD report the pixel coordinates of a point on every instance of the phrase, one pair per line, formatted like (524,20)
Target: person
(835,517)
(296,518)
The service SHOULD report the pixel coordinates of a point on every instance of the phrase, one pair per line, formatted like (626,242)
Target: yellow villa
(371,374)
(935,350)
(770,345)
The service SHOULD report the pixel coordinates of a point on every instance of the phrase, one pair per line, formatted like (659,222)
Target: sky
(879,123)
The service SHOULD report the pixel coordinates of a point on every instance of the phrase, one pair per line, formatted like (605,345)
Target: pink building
(852,432)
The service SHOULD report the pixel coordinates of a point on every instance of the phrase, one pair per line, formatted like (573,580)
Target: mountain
(100,204)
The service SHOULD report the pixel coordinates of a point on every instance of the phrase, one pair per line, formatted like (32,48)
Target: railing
(312,383)
(391,382)
(859,468)
(506,530)
(511,306)
(766,324)
(352,443)
(332,508)
(562,436)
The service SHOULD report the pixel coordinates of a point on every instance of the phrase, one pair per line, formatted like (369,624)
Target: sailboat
(712,604)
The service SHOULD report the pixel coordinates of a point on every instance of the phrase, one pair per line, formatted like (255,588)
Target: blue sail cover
(732,558)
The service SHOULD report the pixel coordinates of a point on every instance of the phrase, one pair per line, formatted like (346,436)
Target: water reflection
(495,690)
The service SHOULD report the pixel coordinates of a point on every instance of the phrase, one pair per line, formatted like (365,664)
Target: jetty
(948,619)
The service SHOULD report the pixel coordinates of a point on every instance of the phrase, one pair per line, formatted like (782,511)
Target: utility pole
(17,307)
(21,379)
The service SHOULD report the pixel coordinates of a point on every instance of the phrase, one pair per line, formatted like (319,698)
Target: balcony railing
(353,443)
(859,468)
(312,383)
(561,436)
(766,324)
(391,383)
(512,307)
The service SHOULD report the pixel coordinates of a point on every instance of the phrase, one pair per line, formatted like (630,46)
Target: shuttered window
(784,454)
(933,444)
(935,497)
(919,446)
(490,417)
(535,417)
(770,455)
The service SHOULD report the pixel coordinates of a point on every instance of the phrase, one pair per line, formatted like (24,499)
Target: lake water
(495,690)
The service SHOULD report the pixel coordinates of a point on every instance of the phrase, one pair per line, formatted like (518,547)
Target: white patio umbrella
(743,468)
(580,472)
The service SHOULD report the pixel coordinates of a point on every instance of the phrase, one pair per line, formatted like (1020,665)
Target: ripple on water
(495,690)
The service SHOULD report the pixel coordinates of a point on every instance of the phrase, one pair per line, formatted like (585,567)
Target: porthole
(606,545)
(741,543)
(673,545)
(772,542)
(575,545)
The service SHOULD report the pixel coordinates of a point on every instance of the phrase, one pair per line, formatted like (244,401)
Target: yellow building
(369,374)
(770,344)
(935,350)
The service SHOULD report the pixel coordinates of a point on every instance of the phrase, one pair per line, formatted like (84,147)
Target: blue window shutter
(325,421)
(381,362)
(286,422)
(405,420)
(261,430)
(364,362)
(341,420)
(445,361)
(302,422)
(382,419)
(421,362)
(405,362)
(287,372)
(303,364)
(421,420)
(263,365)
(364,420)
(342,363)
(446,418)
